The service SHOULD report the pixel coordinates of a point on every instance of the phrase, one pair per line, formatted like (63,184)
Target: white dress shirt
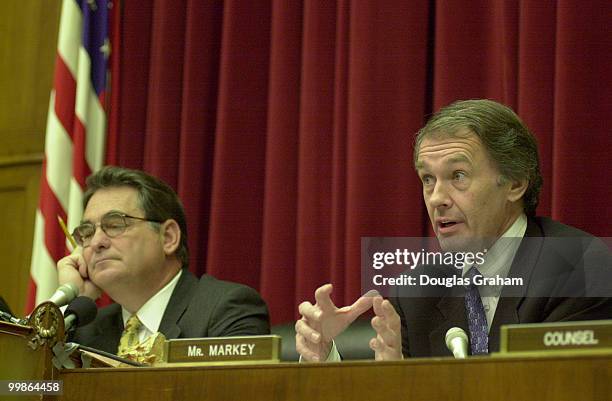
(151,313)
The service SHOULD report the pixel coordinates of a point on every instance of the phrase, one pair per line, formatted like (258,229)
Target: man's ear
(171,236)
(517,189)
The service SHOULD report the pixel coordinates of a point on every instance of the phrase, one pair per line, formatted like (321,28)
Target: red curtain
(287,126)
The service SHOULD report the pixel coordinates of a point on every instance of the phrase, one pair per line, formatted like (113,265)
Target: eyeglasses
(113,224)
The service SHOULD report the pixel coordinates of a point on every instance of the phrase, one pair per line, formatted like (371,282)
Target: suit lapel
(512,297)
(179,301)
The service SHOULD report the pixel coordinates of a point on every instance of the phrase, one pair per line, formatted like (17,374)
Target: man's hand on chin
(73,269)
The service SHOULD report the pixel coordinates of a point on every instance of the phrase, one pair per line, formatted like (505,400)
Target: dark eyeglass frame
(79,239)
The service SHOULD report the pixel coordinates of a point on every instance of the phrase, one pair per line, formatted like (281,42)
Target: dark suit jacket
(567,275)
(197,308)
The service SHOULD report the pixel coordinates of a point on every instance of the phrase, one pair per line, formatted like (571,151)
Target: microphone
(80,312)
(64,294)
(457,342)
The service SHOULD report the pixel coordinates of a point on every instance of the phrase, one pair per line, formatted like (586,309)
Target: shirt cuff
(333,356)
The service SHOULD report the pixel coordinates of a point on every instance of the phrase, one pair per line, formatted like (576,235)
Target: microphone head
(84,309)
(64,294)
(453,333)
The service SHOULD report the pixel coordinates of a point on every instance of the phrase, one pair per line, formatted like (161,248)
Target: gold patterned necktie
(129,338)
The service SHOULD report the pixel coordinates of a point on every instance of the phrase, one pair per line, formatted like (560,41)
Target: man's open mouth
(447,224)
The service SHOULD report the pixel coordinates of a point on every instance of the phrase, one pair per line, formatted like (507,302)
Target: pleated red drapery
(287,126)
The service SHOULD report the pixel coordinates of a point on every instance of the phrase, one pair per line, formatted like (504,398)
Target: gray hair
(510,144)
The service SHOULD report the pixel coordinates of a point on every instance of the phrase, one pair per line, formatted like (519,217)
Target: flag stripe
(64,94)
(80,168)
(76,201)
(53,241)
(44,275)
(96,133)
(69,38)
(58,155)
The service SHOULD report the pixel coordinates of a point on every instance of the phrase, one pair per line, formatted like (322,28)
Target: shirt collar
(498,259)
(151,313)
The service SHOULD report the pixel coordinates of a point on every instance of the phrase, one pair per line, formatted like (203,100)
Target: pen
(65,230)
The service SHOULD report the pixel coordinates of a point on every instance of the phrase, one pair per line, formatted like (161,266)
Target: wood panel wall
(28,35)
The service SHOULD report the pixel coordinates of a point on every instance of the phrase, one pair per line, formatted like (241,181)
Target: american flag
(75,135)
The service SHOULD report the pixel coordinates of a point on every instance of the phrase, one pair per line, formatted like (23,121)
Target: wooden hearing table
(569,377)
(559,377)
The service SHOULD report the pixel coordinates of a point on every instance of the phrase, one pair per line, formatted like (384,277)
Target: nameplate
(223,349)
(561,336)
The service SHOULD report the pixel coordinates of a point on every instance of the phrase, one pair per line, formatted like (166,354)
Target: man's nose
(100,239)
(440,197)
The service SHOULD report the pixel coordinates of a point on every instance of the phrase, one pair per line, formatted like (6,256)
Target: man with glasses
(132,244)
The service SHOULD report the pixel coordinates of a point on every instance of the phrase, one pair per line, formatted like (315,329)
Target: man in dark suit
(566,274)
(133,245)
(478,164)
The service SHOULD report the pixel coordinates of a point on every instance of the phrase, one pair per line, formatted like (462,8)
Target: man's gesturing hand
(387,344)
(323,321)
